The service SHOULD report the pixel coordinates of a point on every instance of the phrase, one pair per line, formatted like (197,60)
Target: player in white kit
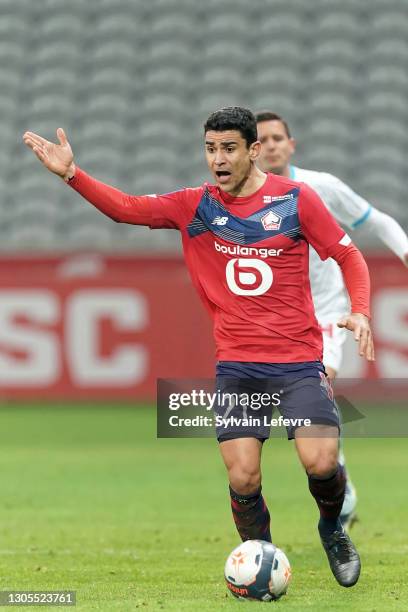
(329,294)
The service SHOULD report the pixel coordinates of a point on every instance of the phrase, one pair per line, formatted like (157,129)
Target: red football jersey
(249,260)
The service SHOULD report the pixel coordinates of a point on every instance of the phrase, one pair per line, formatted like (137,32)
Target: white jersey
(329,294)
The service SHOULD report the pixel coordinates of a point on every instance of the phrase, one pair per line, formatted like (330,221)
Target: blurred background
(92,312)
(89,308)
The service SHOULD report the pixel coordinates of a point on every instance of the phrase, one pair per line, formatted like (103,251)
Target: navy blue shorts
(252,397)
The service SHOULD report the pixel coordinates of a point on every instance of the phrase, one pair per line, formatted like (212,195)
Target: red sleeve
(172,210)
(356,277)
(318,226)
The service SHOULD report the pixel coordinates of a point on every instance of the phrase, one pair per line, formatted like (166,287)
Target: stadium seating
(133,81)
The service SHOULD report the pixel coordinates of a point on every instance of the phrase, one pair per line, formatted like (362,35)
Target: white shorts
(333,341)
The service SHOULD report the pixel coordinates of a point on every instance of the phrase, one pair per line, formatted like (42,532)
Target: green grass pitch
(92,501)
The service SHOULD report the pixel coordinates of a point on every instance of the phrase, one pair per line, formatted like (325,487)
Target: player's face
(229,159)
(276,147)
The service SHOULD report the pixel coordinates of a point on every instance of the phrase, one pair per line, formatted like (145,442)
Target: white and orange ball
(257,570)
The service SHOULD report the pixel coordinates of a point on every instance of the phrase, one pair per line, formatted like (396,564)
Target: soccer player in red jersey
(246,242)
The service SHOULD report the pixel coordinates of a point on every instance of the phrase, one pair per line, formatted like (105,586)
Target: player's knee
(244,480)
(321,465)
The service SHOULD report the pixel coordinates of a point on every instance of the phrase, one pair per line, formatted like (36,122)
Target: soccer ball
(257,570)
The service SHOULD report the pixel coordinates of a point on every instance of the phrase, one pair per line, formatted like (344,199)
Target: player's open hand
(359,324)
(58,158)
(406,259)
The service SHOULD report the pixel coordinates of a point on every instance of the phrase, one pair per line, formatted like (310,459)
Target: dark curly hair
(233,118)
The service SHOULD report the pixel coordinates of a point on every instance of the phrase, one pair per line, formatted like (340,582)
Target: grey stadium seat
(384,130)
(106,106)
(332,23)
(380,102)
(117,26)
(225,52)
(133,81)
(56,53)
(89,235)
(32,236)
(151,182)
(52,81)
(110,80)
(383,76)
(106,163)
(383,188)
(390,50)
(331,105)
(115,53)
(36,210)
(57,25)
(337,51)
(173,26)
(227,26)
(280,52)
(51,106)
(280,25)
(330,131)
(333,78)
(270,99)
(13,28)
(389,22)
(224,78)
(389,152)
(13,54)
(111,134)
(328,157)
(171,52)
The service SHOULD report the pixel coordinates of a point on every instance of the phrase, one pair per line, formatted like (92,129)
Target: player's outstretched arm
(356,213)
(389,231)
(57,158)
(171,210)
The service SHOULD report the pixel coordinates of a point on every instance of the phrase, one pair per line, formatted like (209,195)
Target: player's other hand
(360,326)
(406,259)
(58,158)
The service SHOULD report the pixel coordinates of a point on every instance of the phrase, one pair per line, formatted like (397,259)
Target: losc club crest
(271,221)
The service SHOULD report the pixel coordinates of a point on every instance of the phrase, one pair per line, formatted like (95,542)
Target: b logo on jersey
(248,276)
(271,221)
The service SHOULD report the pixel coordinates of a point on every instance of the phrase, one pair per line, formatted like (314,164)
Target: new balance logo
(219,221)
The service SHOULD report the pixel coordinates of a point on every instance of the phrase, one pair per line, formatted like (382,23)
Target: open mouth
(223,175)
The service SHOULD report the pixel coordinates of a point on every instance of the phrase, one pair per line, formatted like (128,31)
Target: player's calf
(251,516)
(242,458)
(329,496)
